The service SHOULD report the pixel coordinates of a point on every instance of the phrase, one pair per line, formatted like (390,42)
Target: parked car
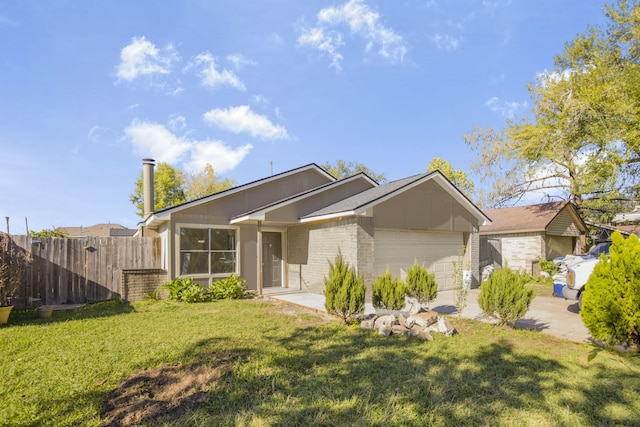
(577,276)
(575,270)
(594,252)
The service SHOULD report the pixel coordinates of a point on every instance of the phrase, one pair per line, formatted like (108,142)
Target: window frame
(209,251)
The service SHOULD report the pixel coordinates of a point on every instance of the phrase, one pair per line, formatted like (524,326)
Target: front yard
(253,362)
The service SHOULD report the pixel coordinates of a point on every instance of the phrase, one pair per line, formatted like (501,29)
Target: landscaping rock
(387,320)
(384,330)
(415,306)
(444,327)
(368,324)
(424,319)
(402,321)
(399,330)
(421,333)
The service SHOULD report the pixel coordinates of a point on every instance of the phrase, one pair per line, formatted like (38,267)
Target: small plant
(505,296)
(13,266)
(549,267)
(461,291)
(611,297)
(388,292)
(420,284)
(344,291)
(184,289)
(232,287)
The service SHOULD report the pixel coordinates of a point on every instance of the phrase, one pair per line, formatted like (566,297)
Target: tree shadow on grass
(29,316)
(333,375)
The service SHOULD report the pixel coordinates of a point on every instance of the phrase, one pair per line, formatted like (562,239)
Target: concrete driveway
(549,315)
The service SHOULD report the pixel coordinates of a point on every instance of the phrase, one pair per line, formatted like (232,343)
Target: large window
(209,251)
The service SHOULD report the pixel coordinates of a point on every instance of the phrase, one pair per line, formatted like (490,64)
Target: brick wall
(136,284)
(312,247)
(520,250)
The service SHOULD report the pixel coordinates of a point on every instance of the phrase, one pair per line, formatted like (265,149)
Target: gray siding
(426,207)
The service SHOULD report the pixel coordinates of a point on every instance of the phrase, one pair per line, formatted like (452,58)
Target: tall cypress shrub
(504,295)
(388,292)
(611,297)
(421,284)
(344,291)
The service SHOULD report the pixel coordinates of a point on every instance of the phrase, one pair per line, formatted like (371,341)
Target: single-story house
(97,230)
(520,236)
(281,231)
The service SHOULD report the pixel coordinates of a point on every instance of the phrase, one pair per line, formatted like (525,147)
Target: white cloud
(143,58)
(446,42)
(177,122)
(212,77)
(363,22)
(217,154)
(260,100)
(242,120)
(156,141)
(239,61)
(508,109)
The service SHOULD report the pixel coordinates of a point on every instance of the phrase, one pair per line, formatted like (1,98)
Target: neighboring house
(282,231)
(97,230)
(603,232)
(520,236)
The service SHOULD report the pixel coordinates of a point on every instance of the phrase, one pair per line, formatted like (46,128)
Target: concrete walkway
(550,315)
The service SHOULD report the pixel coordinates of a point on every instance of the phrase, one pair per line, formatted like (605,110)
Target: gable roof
(530,218)
(164,214)
(359,203)
(259,213)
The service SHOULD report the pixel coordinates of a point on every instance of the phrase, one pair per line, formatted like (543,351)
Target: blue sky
(89,88)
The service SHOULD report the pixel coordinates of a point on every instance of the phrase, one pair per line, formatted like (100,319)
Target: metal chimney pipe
(147,183)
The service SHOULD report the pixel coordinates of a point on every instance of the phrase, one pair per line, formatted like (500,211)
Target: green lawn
(252,363)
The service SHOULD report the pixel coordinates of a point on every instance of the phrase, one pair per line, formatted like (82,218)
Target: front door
(271,259)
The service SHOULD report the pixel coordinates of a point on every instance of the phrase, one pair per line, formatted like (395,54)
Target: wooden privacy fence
(76,271)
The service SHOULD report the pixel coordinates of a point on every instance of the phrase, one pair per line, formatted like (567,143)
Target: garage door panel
(398,250)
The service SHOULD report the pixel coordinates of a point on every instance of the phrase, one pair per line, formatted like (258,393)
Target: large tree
(205,182)
(582,141)
(172,186)
(457,176)
(168,185)
(343,169)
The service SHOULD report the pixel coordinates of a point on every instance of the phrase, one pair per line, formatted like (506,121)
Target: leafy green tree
(388,292)
(504,295)
(204,183)
(611,298)
(344,169)
(421,284)
(168,185)
(46,232)
(457,176)
(582,141)
(344,291)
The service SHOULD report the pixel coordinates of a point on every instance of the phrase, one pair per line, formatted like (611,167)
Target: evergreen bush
(420,284)
(232,287)
(344,291)
(504,295)
(184,289)
(388,292)
(611,297)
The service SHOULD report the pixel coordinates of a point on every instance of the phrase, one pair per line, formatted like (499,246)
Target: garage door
(398,250)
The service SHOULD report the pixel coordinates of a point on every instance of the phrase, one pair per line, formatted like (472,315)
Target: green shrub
(344,291)
(231,287)
(388,292)
(184,289)
(504,295)
(549,267)
(420,284)
(611,297)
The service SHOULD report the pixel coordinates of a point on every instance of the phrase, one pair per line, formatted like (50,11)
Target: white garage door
(398,250)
